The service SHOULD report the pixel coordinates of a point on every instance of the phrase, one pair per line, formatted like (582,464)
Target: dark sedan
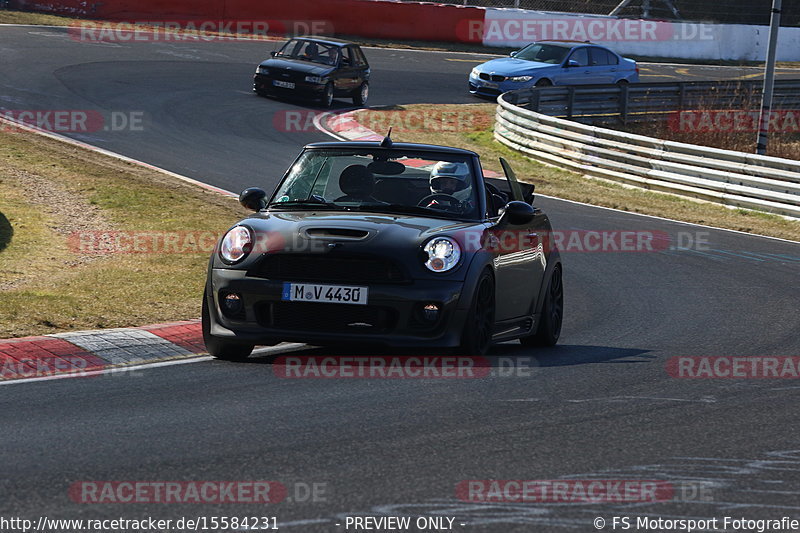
(385,243)
(315,68)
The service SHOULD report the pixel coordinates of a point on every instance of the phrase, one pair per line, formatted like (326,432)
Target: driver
(312,52)
(450,179)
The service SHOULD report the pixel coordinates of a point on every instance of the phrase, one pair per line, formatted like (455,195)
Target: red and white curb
(83,353)
(342,126)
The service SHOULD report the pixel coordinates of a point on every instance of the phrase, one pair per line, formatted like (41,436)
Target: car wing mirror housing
(573,64)
(516,213)
(254,199)
(273,53)
(514,53)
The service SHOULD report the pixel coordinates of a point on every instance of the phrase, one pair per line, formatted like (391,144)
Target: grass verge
(470,127)
(59,270)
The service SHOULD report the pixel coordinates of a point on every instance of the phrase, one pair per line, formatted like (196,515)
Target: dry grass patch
(52,195)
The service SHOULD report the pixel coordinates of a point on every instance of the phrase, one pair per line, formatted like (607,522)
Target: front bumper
(490,88)
(392,316)
(264,84)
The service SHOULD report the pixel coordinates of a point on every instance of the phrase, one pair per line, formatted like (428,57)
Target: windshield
(543,53)
(313,51)
(384,181)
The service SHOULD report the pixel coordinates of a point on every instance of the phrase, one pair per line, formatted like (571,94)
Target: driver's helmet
(312,50)
(448,178)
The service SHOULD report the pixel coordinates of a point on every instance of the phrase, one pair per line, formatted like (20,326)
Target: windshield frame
(471,161)
(281,52)
(566,49)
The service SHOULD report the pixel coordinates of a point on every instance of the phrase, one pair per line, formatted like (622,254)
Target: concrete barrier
(380,19)
(650,38)
(387,19)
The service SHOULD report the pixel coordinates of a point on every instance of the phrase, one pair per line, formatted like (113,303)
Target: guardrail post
(570,102)
(623,103)
(681,96)
(535,99)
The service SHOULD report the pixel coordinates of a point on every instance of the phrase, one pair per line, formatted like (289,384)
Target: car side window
(602,57)
(361,59)
(353,52)
(581,55)
(347,57)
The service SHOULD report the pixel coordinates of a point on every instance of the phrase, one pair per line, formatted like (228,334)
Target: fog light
(232,303)
(437,264)
(430,312)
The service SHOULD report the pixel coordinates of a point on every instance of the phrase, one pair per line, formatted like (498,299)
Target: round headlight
(443,254)
(236,244)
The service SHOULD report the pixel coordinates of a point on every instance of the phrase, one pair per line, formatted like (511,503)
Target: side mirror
(254,199)
(517,213)
(514,53)
(273,53)
(572,64)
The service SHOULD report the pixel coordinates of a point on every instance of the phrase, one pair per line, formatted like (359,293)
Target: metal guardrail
(640,102)
(723,176)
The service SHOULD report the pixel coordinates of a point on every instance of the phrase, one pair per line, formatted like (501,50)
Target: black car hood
(397,236)
(296,65)
(381,227)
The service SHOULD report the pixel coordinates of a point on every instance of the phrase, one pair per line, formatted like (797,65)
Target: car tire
(361,95)
(327,96)
(544,82)
(477,337)
(549,329)
(219,348)
(622,82)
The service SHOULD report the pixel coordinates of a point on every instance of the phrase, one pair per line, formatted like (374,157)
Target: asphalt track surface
(601,405)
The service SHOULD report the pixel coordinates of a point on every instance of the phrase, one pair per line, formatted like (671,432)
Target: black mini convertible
(382,243)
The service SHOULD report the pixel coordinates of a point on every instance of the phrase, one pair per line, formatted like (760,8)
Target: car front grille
(325,317)
(285,74)
(484,90)
(492,77)
(329,267)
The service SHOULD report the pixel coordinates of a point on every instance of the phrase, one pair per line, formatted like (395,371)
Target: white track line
(95,373)
(282,348)
(669,219)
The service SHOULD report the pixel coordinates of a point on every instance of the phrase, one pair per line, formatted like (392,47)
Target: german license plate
(312,292)
(284,84)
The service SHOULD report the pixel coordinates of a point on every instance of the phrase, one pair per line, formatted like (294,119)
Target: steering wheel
(452,201)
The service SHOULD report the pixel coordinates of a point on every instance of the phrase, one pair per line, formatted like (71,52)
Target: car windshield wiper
(313,202)
(404,209)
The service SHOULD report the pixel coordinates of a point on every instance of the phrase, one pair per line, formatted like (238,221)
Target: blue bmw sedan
(552,63)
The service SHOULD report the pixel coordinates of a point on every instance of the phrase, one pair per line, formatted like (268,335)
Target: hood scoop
(337,233)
